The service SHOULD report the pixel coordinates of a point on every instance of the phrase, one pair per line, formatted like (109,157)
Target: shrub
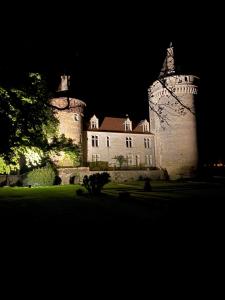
(94,183)
(79,192)
(147,185)
(41,176)
(99,166)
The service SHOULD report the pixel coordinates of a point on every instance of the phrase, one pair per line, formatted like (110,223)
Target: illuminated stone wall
(70,124)
(71,119)
(76,175)
(117,146)
(175,138)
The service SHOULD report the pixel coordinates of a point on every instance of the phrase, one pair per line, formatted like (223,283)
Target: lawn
(61,204)
(59,207)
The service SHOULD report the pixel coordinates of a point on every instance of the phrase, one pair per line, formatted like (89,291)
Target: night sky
(114,53)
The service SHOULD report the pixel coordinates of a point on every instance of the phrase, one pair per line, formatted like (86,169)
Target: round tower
(173,121)
(70,118)
(69,112)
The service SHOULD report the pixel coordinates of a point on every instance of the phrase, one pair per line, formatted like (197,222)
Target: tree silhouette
(27,120)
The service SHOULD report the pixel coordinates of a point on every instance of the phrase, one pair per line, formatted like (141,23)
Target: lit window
(95,141)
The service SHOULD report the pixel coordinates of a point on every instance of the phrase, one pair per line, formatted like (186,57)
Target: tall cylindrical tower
(71,118)
(69,112)
(173,121)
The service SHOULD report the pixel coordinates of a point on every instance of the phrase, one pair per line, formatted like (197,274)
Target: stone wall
(71,119)
(175,139)
(11,180)
(76,175)
(137,153)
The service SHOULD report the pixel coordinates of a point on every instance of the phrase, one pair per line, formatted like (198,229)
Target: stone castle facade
(167,141)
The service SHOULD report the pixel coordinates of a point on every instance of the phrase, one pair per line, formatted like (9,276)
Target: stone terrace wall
(11,180)
(116,176)
(76,175)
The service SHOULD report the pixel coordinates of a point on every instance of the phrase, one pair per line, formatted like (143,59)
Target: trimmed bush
(40,177)
(79,192)
(94,183)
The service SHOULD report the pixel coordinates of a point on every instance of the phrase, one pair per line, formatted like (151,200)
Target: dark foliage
(94,183)
(124,195)
(147,185)
(79,192)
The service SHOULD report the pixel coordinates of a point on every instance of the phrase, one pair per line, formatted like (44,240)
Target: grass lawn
(58,200)
(182,214)
(169,207)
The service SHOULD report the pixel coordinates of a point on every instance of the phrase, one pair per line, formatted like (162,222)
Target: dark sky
(114,53)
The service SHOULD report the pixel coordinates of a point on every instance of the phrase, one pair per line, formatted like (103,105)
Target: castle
(168,140)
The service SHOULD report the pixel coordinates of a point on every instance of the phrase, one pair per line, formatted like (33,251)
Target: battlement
(177,84)
(75,105)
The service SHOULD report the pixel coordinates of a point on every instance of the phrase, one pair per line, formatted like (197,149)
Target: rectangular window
(145,127)
(137,160)
(147,142)
(130,159)
(148,160)
(127,127)
(95,157)
(94,141)
(107,141)
(93,125)
(128,142)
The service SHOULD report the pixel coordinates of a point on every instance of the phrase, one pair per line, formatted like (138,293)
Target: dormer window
(94,122)
(128,125)
(145,126)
